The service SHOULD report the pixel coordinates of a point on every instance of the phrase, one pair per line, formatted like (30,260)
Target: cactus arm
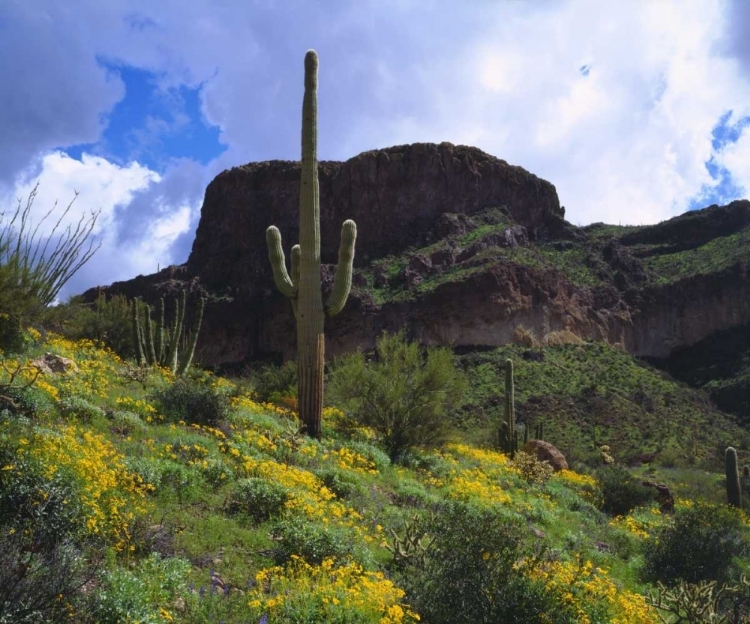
(342,282)
(278,263)
(188,357)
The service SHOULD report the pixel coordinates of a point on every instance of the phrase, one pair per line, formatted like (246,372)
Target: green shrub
(621,491)
(12,337)
(405,394)
(412,494)
(194,402)
(185,483)
(216,472)
(341,482)
(139,594)
(468,573)
(258,499)
(76,407)
(703,543)
(126,423)
(29,402)
(315,541)
(270,383)
(149,470)
(533,471)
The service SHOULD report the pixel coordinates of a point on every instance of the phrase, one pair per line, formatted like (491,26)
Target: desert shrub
(703,543)
(29,402)
(12,337)
(45,510)
(138,594)
(525,337)
(32,274)
(469,575)
(216,472)
(194,402)
(406,394)
(562,337)
(126,423)
(621,491)
(341,482)
(76,407)
(258,499)
(372,453)
(106,320)
(315,541)
(271,383)
(148,469)
(185,483)
(412,494)
(38,586)
(532,470)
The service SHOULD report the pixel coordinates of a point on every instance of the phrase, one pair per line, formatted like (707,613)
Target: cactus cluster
(412,546)
(303,287)
(538,432)
(508,433)
(159,345)
(734,491)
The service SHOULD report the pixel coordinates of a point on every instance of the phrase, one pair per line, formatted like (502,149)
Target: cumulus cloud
(614,106)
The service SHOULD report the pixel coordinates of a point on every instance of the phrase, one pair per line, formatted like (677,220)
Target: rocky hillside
(460,248)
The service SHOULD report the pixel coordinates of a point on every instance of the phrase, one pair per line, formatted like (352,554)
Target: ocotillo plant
(303,287)
(164,350)
(734,492)
(508,434)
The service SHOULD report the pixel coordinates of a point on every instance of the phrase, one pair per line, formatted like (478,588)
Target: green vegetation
(186,499)
(593,394)
(405,395)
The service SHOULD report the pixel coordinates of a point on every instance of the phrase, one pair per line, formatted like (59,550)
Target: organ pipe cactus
(734,492)
(163,348)
(508,433)
(303,286)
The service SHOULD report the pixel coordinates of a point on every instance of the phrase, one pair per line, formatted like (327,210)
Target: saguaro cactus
(734,492)
(508,434)
(303,287)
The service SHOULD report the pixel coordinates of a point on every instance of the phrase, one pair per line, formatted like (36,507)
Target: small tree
(406,393)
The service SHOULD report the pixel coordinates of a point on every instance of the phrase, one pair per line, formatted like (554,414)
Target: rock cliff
(460,248)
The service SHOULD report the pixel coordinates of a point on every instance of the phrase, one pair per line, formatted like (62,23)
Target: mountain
(460,248)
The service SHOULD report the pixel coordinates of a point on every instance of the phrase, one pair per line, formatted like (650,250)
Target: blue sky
(636,111)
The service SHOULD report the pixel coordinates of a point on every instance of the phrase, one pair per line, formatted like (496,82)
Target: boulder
(544,451)
(51,363)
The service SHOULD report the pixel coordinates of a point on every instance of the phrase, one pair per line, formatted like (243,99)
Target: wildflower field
(191,500)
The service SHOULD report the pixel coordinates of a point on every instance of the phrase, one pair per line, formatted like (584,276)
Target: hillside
(214,509)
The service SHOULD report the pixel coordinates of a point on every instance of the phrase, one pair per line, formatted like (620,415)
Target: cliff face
(460,248)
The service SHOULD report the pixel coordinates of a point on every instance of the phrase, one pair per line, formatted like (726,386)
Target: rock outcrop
(456,246)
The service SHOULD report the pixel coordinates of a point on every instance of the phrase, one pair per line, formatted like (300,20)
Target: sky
(636,111)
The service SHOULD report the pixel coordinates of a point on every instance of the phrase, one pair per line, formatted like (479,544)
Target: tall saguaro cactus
(734,491)
(508,433)
(303,287)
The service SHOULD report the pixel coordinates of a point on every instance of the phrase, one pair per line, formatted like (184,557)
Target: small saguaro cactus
(508,433)
(734,492)
(303,286)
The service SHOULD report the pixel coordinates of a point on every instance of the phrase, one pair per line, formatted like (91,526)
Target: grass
(232,569)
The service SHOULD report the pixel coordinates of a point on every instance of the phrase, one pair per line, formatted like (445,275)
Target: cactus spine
(303,287)
(508,433)
(162,349)
(734,493)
